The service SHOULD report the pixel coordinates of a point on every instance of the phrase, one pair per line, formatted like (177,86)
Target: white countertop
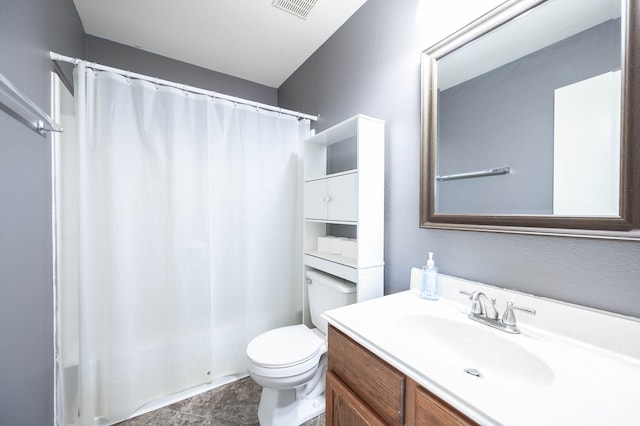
(569,366)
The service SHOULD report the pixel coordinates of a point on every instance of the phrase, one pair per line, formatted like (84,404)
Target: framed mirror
(530,121)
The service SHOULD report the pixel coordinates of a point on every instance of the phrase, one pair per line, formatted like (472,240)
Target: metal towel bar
(481,173)
(16,104)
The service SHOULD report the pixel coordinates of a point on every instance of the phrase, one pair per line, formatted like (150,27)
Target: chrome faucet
(483,310)
(483,305)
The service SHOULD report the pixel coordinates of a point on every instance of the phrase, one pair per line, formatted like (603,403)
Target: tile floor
(233,404)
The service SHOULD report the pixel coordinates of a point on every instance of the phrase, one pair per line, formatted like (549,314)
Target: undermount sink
(476,350)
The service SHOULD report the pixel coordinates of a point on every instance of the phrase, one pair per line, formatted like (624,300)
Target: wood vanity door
(424,408)
(344,408)
(376,383)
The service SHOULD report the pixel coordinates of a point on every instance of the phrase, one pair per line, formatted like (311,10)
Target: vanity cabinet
(344,197)
(362,389)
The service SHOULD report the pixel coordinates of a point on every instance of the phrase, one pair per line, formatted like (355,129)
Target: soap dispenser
(430,289)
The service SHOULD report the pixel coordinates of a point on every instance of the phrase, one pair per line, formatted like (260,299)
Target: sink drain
(472,372)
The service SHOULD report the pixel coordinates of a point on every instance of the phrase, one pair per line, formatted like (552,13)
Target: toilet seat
(285,351)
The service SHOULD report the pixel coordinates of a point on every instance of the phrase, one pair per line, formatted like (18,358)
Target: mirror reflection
(528,115)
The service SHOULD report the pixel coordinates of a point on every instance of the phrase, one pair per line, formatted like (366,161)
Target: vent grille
(300,8)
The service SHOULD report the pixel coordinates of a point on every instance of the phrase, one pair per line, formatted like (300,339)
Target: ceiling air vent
(300,8)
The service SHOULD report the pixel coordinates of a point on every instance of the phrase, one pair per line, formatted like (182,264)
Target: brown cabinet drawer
(376,383)
(344,408)
(424,408)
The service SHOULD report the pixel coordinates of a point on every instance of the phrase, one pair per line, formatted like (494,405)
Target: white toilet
(290,362)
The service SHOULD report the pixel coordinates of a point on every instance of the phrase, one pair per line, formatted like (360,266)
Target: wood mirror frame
(626,226)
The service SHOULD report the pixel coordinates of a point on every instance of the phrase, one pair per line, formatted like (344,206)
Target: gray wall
(28,30)
(505,117)
(131,59)
(372,66)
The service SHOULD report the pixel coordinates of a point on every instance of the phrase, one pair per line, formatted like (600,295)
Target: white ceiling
(249,39)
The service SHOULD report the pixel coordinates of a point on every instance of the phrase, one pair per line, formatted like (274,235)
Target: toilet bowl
(290,362)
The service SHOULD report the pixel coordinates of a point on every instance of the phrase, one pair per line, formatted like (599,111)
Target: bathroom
(371,65)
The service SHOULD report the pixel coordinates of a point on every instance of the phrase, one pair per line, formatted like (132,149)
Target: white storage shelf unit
(353,197)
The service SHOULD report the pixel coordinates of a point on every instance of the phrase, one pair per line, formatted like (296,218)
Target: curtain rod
(75,61)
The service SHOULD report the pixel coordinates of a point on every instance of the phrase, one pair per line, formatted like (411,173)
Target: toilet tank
(327,292)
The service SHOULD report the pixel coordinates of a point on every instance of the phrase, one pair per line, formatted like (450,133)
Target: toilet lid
(284,346)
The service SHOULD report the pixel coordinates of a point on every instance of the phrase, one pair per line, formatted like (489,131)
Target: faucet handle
(509,317)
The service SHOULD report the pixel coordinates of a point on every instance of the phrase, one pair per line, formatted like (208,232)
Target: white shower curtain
(187,212)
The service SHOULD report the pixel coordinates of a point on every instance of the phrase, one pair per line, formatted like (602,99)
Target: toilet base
(282,408)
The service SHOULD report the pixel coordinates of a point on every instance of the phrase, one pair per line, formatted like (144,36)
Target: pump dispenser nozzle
(430,262)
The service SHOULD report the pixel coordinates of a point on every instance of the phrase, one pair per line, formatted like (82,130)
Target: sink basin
(471,346)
